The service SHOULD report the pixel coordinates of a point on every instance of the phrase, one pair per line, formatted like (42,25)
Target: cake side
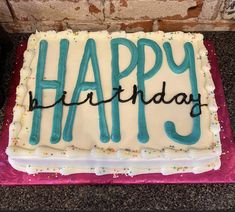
(165,158)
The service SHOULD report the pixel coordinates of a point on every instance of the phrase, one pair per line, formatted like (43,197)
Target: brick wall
(128,15)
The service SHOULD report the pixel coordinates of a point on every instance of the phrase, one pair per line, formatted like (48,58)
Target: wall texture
(128,15)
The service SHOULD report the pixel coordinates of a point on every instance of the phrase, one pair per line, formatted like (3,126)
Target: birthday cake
(115,103)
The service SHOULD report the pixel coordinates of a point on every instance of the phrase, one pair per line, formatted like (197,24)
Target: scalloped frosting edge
(204,166)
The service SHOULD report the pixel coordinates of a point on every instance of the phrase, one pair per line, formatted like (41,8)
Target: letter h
(41,84)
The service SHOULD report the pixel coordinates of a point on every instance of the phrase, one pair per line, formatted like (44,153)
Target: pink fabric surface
(226,174)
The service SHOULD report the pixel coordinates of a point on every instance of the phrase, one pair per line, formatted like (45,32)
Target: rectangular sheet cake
(107,103)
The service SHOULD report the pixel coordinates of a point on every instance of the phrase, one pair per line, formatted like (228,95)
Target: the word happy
(137,61)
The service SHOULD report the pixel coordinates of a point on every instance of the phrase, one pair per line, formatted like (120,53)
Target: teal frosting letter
(143,135)
(117,76)
(188,63)
(81,85)
(49,84)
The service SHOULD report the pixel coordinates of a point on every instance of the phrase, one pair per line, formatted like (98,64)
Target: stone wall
(113,15)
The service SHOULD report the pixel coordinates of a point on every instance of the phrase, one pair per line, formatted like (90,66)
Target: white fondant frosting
(86,153)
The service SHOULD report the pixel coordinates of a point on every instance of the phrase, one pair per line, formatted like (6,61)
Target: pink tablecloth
(226,174)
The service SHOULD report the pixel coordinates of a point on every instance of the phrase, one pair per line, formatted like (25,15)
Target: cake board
(226,174)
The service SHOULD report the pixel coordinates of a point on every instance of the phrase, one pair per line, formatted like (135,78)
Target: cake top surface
(169,70)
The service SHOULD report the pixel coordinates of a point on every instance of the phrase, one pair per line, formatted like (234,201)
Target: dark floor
(124,197)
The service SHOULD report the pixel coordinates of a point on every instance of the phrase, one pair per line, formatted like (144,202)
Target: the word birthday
(180,98)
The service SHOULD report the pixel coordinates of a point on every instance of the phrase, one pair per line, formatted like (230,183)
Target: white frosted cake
(108,103)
